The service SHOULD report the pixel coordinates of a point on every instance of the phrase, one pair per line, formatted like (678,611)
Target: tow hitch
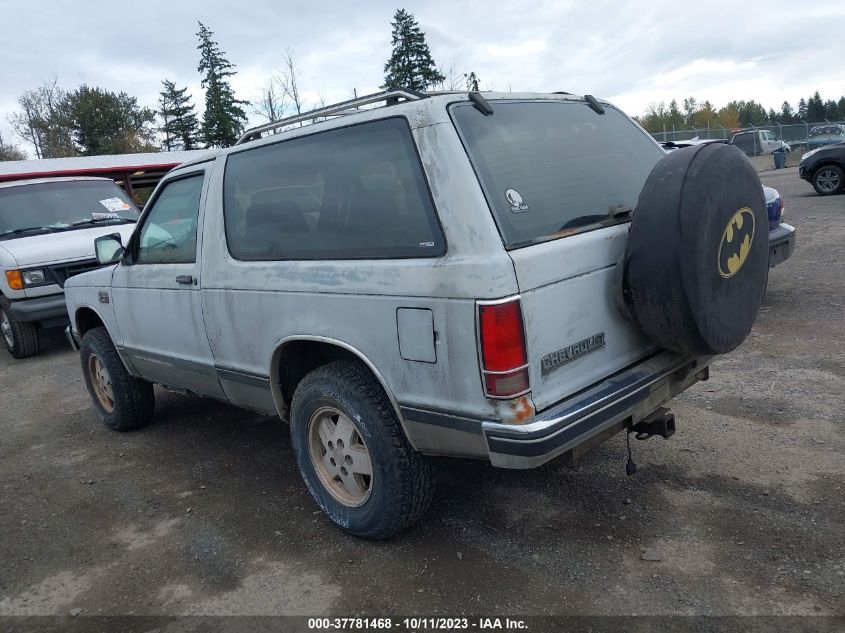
(660,422)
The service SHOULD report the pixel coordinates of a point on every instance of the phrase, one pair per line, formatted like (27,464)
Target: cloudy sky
(632,52)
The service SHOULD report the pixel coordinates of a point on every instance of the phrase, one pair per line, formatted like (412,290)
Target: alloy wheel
(340,456)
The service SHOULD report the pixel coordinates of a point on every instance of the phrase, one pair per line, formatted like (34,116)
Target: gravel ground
(204,512)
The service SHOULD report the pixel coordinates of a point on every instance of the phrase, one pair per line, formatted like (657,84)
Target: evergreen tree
(802,109)
(840,105)
(410,64)
(786,113)
(690,107)
(224,118)
(180,127)
(815,108)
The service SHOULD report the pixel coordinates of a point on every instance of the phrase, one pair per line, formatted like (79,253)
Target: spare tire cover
(696,262)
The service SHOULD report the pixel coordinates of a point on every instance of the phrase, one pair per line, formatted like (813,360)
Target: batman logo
(736,242)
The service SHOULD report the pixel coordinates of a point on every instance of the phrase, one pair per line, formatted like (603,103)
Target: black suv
(824,168)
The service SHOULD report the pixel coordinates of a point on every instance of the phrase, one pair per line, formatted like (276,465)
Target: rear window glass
(351,193)
(551,169)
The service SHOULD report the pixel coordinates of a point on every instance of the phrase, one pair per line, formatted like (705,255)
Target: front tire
(20,337)
(353,454)
(124,403)
(828,179)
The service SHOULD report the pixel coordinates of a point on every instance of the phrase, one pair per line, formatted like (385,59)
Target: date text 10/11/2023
(416,624)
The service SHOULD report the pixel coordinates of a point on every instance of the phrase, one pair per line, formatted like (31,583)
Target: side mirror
(108,249)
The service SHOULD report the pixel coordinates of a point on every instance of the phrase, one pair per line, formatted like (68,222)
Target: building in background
(137,174)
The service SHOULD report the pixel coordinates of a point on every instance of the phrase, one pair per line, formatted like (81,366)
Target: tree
(690,108)
(43,121)
(8,151)
(288,81)
(472,81)
(452,79)
(104,122)
(815,108)
(840,106)
(410,64)
(271,103)
(181,127)
(786,113)
(224,118)
(802,109)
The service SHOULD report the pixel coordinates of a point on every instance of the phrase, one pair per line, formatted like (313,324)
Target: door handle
(185,279)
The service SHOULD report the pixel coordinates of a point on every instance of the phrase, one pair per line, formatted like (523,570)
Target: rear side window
(350,193)
(550,169)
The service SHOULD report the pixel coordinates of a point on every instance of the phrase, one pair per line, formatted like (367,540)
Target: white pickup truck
(47,232)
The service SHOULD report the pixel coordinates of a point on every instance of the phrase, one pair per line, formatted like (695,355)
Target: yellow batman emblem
(736,242)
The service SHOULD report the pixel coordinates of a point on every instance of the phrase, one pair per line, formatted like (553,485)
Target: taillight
(504,360)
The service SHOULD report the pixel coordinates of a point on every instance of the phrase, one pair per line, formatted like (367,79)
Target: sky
(632,53)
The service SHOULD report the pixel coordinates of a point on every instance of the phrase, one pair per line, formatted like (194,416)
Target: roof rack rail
(389,97)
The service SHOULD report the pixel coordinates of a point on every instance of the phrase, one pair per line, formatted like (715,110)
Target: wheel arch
(318,350)
(828,162)
(86,318)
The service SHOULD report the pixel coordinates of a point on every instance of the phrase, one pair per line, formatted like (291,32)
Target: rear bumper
(49,311)
(632,393)
(782,242)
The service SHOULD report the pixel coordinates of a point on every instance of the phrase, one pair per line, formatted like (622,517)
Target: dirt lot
(203,512)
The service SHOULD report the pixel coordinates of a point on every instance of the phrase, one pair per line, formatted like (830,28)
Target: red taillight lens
(502,341)
(503,354)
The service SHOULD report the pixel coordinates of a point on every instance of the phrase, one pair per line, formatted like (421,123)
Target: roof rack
(389,97)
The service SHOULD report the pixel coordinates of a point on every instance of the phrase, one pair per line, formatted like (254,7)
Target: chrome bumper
(632,393)
(70,335)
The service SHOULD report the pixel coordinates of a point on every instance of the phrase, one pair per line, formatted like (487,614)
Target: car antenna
(480,103)
(594,104)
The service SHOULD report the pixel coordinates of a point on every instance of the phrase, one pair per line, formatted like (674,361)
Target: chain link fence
(799,136)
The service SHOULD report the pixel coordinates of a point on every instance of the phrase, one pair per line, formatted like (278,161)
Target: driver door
(156,292)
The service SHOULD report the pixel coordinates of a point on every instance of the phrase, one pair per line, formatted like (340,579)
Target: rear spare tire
(696,262)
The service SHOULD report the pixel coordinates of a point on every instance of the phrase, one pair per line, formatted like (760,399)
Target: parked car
(47,231)
(782,239)
(824,168)
(821,135)
(758,142)
(457,275)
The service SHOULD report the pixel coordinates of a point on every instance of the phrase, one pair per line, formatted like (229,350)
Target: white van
(47,231)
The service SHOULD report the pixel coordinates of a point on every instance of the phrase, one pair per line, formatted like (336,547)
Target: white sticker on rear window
(518,205)
(115,204)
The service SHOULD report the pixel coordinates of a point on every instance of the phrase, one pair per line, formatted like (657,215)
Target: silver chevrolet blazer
(509,277)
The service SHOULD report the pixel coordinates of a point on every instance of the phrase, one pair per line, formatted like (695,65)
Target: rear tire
(828,180)
(400,486)
(20,337)
(124,403)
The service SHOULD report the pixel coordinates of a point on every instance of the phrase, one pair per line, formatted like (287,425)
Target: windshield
(57,206)
(548,167)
